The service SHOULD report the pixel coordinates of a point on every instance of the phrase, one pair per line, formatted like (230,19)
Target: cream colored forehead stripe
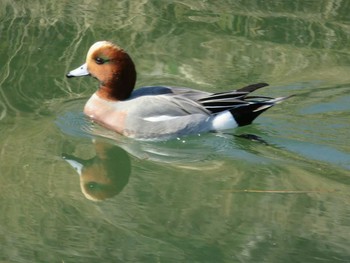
(98,45)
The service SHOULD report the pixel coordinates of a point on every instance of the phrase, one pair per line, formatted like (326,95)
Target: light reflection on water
(207,198)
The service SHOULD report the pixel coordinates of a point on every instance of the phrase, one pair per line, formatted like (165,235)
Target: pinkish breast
(106,114)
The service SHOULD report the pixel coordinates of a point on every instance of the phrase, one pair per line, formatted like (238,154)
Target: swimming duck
(161,112)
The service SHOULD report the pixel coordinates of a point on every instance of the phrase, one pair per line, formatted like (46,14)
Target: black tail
(244,108)
(245,114)
(252,87)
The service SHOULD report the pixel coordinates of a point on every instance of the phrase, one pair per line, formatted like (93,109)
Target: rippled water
(283,197)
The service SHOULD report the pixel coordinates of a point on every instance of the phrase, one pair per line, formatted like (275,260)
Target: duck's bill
(75,162)
(78,72)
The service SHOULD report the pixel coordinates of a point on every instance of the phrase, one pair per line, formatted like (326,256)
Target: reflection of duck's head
(104,175)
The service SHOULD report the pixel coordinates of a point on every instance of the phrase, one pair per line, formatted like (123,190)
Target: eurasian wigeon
(161,112)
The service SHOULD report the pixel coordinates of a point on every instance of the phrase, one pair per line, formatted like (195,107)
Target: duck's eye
(99,60)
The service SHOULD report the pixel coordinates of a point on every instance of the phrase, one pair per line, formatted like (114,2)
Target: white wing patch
(160,118)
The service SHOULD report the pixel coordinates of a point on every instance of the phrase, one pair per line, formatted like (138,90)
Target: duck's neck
(116,92)
(120,85)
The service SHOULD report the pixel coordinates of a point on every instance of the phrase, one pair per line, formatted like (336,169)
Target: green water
(207,198)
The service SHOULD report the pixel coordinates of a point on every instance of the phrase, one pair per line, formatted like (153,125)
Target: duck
(161,112)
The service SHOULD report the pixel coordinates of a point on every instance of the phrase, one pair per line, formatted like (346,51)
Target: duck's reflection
(104,175)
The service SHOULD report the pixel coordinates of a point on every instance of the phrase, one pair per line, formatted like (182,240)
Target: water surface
(203,198)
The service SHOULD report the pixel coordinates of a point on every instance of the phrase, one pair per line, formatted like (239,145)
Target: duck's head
(112,66)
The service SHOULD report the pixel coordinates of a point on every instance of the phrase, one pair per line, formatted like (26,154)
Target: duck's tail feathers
(246,113)
(252,87)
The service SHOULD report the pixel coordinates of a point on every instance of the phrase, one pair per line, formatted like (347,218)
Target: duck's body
(160,112)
